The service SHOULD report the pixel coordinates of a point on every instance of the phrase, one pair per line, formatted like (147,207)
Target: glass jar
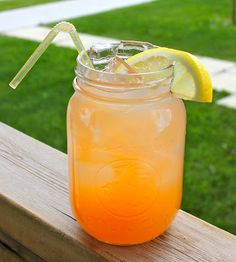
(126,137)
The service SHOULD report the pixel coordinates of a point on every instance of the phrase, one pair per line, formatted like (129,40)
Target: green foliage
(210,164)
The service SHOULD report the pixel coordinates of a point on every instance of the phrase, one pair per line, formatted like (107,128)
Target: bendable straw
(60,27)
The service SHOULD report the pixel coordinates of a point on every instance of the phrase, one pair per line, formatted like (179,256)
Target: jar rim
(135,45)
(102,54)
(87,67)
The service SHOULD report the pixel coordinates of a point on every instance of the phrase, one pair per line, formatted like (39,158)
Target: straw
(60,27)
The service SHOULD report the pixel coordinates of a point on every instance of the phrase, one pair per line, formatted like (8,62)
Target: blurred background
(206,28)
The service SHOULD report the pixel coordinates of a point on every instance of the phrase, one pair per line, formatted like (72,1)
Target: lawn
(199,26)
(10,4)
(38,106)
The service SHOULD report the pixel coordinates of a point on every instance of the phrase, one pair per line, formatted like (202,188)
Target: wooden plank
(15,251)
(35,212)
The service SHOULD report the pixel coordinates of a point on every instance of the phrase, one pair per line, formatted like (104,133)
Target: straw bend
(60,27)
(64,26)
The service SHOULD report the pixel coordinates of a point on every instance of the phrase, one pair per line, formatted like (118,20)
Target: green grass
(199,26)
(38,108)
(10,4)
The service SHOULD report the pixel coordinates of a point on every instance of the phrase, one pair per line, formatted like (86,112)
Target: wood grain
(35,213)
(8,256)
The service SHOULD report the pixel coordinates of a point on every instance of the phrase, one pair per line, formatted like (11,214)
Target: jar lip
(85,67)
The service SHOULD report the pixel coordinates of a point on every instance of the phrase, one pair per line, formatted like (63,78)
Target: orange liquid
(126,164)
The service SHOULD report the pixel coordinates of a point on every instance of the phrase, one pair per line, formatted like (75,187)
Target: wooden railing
(36,223)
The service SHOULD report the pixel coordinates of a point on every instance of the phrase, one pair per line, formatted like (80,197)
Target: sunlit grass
(11,4)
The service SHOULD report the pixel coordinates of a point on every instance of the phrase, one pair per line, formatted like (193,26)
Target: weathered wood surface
(37,224)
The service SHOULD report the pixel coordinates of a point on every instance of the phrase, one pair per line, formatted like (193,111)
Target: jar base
(117,243)
(124,245)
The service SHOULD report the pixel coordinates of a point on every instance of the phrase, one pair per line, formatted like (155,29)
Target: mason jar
(126,137)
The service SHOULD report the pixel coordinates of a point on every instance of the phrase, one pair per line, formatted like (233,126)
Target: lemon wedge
(191,80)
